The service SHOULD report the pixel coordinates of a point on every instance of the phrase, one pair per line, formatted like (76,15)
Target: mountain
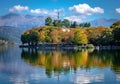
(29,21)
(103,22)
(21,21)
(11,33)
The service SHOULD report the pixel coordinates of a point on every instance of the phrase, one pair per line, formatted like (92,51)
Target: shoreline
(56,46)
(70,47)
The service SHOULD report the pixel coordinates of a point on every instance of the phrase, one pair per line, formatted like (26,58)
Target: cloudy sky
(75,10)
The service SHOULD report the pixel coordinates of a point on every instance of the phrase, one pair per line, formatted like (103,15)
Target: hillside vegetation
(58,34)
(21,21)
(51,34)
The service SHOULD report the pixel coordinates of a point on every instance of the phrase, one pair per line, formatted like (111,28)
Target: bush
(90,46)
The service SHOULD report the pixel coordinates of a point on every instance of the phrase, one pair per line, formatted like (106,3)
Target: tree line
(66,23)
(80,35)
(51,34)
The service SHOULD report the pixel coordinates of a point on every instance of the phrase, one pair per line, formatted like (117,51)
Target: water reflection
(3,48)
(88,78)
(63,61)
(58,67)
(13,70)
(102,59)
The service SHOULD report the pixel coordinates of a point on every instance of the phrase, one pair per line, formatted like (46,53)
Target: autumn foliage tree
(94,34)
(80,37)
(55,36)
(115,24)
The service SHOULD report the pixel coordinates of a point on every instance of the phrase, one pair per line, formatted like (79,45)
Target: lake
(24,66)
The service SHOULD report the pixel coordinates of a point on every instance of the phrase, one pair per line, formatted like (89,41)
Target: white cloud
(48,12)
(85,9)
(81,11)
(118,10)
(39,11)
(74,18)
(55,12)
(18,8)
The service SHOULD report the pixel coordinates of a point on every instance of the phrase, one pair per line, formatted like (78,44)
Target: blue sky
(74,10)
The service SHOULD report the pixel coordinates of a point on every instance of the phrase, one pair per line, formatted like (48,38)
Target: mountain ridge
(21,20)
(30,21)
(12,34)
(103,22)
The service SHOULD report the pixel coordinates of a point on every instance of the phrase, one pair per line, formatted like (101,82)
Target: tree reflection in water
(56,62)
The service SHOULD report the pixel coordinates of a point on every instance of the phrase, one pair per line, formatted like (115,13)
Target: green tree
(81,25)
(116,35)
(48,21)
(66,23)
(23,39)
(116,32)
(85,24)
(30,38)
(57,23)
(74,24)
(34,38)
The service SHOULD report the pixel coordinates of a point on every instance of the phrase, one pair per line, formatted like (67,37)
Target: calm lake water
(19,66)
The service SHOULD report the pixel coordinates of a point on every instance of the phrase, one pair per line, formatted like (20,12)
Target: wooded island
(64,32)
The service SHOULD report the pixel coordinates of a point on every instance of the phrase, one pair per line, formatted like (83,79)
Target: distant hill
(21,21)
(103,22)
(12,34)
(29,21)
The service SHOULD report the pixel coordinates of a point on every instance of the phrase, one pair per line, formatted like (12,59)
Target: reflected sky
(19,66)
